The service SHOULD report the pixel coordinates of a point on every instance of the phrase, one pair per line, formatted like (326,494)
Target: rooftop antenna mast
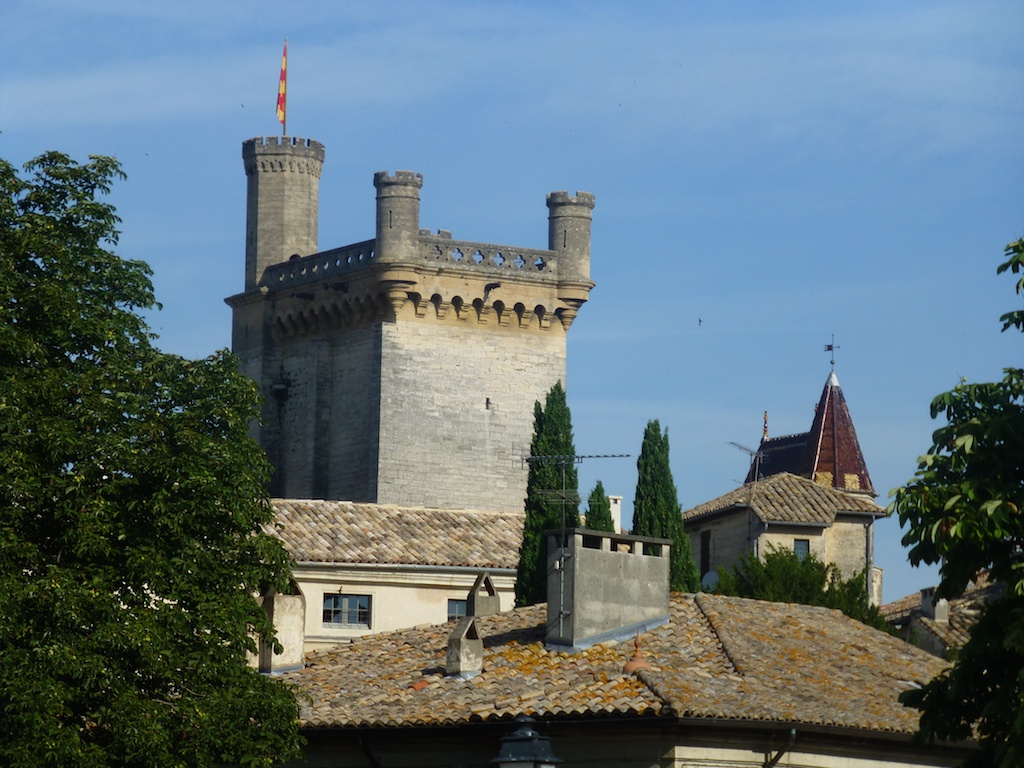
(565,460)
(755,459)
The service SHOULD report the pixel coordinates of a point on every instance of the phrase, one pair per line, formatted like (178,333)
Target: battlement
(400,177)
(438,250)
(319,266)
(564,198)
(277,143)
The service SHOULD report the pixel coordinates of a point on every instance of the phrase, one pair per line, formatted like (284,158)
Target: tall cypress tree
(546,505)
(599,510)
(656,509)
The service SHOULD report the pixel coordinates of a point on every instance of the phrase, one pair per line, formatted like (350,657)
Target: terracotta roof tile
(316,531)
(790,499)
(901,609)
(718,657)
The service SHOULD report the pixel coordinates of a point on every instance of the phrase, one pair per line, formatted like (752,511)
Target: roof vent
(465,650)
(638,661)
(483,599)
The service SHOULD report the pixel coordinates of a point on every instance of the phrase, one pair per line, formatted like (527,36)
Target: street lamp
(525,747)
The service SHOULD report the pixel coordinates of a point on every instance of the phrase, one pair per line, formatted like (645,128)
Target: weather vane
(832,348)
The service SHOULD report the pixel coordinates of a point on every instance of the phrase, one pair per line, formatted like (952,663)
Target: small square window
(801,548)
(347,611)
(456,609)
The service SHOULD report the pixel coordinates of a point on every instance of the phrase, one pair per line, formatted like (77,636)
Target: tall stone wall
(325,421)
(457,411)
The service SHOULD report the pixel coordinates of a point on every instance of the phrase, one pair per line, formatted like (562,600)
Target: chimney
(483,599)
(615,502)
(287,612)
(604,587)
(936,610)
(465,650)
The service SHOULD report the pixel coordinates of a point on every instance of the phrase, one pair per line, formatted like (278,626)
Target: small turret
(569,221)
(398,215)
(282,202)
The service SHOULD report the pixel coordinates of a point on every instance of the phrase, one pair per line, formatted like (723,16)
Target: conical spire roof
(832,454)
(829,454)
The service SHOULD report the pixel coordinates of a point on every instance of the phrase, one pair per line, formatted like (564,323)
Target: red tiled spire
(832,454)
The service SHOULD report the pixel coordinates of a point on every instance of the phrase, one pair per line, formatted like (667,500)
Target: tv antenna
(564,461)
(755,459)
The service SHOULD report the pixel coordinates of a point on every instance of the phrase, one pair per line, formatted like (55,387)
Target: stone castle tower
(401,369)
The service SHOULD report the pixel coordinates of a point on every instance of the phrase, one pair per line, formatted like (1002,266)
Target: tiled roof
(787,498)
(963,612)
(719,657)
(832,449)
(779,454)
(900,610)
(316,531)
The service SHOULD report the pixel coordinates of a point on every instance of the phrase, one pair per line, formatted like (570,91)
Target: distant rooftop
(787,498)
(317,531)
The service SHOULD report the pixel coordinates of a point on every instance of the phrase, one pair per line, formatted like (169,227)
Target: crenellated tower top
(404,368)
(282,203)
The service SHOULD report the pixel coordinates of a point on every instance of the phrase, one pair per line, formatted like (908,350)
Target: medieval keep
(402,369)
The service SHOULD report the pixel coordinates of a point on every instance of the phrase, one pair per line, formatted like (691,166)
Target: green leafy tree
(552,470)
(599,510)
(963,510)
(784,577)
(131,509)
(656,510)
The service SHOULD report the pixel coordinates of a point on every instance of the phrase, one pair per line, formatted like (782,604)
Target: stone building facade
(402,369)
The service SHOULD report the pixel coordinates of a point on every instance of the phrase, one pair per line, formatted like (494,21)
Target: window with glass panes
(456,609)
(347,610)
(801,548)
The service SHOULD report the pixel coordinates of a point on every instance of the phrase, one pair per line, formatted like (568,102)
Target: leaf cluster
(656,508)
(599,510)
(783,577)
(133,506)
(552,492)
(963,510)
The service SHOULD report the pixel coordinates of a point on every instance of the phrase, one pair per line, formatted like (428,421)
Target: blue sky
(780,171)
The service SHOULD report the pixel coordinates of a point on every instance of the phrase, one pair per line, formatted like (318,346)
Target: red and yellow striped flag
(282,88)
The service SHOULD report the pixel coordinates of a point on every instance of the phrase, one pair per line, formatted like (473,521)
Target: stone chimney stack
(937,610)
(604,586)
(483,598)
(465,650)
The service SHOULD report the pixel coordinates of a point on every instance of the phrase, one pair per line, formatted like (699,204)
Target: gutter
(409,567)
